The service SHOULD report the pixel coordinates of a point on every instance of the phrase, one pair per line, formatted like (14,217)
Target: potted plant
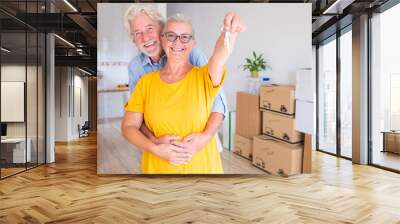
(255,64)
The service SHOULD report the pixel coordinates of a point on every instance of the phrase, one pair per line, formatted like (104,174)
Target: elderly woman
(177,100)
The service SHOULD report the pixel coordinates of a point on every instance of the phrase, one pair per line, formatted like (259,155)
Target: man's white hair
(138,8)
(179,18)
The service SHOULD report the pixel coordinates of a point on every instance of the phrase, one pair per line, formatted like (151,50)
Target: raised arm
(233,24)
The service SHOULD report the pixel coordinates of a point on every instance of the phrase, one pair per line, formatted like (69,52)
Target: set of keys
(227,37)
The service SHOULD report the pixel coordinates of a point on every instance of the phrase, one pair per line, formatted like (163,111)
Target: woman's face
(178,48)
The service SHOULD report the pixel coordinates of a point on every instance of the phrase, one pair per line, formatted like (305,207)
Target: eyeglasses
(171,36)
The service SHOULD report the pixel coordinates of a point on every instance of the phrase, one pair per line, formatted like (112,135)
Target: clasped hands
(176,152)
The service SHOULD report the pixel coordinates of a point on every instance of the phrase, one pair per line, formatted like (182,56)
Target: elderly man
(144,24)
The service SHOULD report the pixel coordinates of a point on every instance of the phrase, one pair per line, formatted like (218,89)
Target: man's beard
(155,52)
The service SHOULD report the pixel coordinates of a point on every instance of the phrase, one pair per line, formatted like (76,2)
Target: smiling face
(176,50)
(146,33)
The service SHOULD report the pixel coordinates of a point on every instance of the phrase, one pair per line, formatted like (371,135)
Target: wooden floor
(116,156)
(70,191)
(5,172)
(10,171)
(387,159)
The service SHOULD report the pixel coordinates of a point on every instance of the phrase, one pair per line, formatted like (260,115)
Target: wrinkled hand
(233,23)
(167,139)
(173,154)
(192,143)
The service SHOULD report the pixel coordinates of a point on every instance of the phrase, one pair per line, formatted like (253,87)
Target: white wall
(68,83)
(314,72)
(61,103)
(33,126)
(16,72)
(79,117)
(282,32)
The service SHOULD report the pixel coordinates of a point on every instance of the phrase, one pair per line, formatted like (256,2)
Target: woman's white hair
(179,18)
(138,8)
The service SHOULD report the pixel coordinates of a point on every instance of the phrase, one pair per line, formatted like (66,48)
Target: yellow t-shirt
(178,108)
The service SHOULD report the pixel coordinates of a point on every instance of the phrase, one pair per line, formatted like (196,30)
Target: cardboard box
(277,157)
(392,142)
(248,115)
(307,154)
(281,126)
(243,146)
(279,98)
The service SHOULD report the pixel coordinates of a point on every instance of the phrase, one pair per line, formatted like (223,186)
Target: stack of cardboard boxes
(248,123)
(267,135)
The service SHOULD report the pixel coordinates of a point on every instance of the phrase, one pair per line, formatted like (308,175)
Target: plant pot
(253,85)
(254,74)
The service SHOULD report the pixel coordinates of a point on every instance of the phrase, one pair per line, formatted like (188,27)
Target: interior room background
(281,32)
(22,77)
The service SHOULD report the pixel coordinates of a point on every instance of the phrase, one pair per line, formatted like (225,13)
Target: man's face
(147,35)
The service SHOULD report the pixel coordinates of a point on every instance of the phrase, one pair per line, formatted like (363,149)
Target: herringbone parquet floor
(70,191)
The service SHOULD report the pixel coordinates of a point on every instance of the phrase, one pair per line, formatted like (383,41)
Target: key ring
(227,35)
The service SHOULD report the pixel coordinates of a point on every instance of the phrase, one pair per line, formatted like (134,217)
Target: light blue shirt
(141,65)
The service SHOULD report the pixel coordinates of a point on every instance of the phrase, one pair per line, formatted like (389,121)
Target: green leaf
(255,62)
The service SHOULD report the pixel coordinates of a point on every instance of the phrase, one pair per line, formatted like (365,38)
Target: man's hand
(173,154)
(193,142)
(166,139)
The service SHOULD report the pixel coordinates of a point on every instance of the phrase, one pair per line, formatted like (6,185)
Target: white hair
(180,18)
(138,8)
